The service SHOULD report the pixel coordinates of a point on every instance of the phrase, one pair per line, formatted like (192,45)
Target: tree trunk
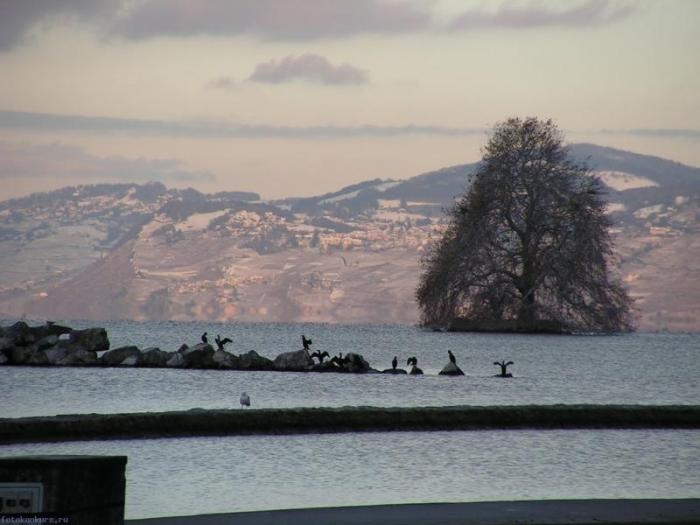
(527,316)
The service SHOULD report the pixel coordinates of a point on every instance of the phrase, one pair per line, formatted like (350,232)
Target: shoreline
(200,422)
(542,512)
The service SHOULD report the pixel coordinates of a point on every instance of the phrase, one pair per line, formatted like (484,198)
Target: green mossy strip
(199,422)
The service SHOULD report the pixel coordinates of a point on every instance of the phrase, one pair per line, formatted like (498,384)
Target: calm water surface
(626,369)
(169,477)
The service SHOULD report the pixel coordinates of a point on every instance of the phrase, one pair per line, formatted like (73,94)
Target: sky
(291,98)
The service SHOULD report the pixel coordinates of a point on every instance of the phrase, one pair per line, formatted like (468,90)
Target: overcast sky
(299,97)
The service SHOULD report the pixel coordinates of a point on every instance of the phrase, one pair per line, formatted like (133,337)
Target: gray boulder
(37,333)
(56,329)
(20,334)
(254,361)
(91,339)
(199,356)
(47,342)
(130,361)
(78,357)
(155,357)
(225,360)
(451,369)
(116,356)
(28,355)
(19,355)
(415,371)
(6,343)
(356,364)
(56,354)
(199,347)
(177,360)
(299,361)
(394,371)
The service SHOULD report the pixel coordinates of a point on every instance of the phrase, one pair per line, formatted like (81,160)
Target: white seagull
(245,400)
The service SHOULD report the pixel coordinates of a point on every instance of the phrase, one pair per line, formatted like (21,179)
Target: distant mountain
(353,255)
(662,171)
(438,189)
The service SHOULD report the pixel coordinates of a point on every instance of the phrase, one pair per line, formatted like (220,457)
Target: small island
(528,247)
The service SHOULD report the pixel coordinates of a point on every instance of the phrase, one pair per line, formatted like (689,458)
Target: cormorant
(415,371)
(320,355)
(204,338)
(504,366)
(339,360)
(452,357)
(394,363)
(221,342)
(245,400)
(306,342)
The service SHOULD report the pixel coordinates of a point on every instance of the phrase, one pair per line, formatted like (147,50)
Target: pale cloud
(56,161)
(272,19)
(19,17)
(49,122)
(517,15)
(288,20)
(223,83)
(310,67)
(46,122)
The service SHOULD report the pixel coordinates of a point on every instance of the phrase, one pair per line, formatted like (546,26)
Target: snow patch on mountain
(621,181)
(199,221)
(352,194)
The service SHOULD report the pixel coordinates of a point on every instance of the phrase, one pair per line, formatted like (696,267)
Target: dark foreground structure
(75,490)
(553,512)
(199,422)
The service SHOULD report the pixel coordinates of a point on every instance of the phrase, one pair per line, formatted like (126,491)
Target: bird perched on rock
(504,368)
(204,338)
(415,371)
(452,357)
(320,355)
(220,343)
(394,363)
(338,360)
(306,342)
(245,400)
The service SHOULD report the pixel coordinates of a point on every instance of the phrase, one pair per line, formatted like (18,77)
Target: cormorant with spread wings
(504,367)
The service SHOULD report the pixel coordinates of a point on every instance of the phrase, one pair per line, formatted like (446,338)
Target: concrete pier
(200,422)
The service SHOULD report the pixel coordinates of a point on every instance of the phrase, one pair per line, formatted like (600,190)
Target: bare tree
(528,245)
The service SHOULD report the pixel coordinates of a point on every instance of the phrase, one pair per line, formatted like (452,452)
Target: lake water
(624,369)
(225,474)
(172,477)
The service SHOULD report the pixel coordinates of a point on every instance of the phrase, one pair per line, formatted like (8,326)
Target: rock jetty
(55,345)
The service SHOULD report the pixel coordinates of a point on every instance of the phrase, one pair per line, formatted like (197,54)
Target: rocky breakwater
(52,344)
